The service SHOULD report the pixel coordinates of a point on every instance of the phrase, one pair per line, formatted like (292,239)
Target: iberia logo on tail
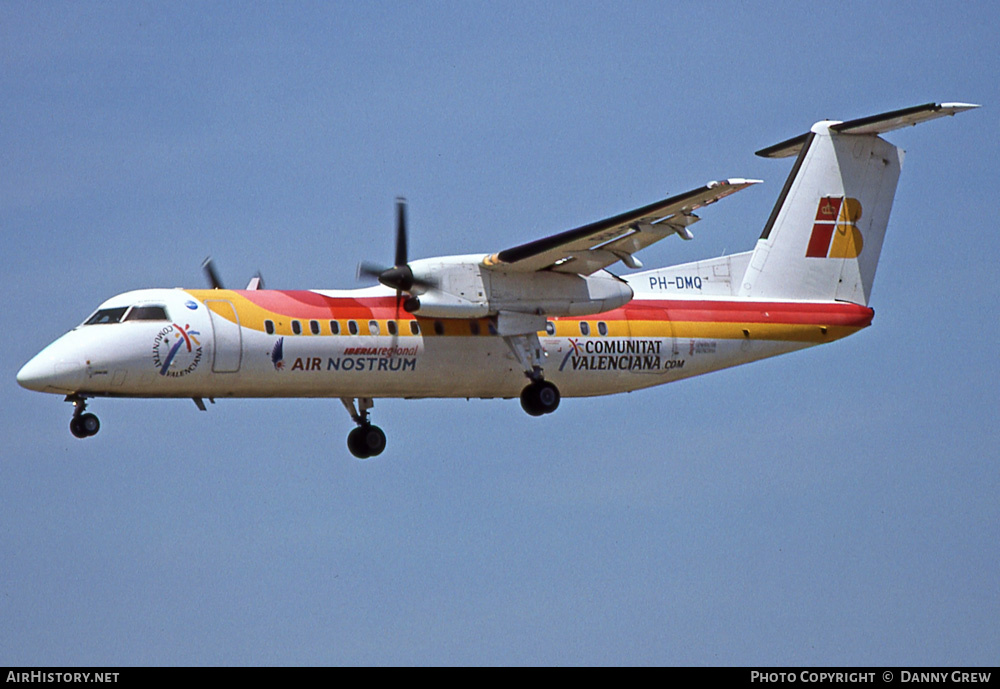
(835,233)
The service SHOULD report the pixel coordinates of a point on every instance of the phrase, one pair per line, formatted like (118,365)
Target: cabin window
(438,328)
(334,327)
(602,328)
(391,327)
(147,313)
(106,316)
(584,328)
(314,327)
(550,328)
(269,327)
(352,327)
(373,328)
(414,328)
(296,327)
(474,327)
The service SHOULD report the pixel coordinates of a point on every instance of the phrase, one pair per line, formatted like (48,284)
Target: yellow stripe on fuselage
(616,323)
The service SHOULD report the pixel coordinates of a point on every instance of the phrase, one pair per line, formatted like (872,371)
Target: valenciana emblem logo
(835,233)
(176,350)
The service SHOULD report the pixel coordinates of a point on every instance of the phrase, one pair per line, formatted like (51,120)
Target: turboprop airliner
(539,321)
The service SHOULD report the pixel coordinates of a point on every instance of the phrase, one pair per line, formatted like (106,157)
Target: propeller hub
(397,277)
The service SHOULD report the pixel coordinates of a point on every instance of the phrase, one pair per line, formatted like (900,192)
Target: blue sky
(836,506)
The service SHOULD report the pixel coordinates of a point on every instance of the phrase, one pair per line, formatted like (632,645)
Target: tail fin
(825,233)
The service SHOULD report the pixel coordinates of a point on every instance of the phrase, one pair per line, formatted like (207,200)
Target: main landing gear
(366,440)
(539,396)
(82,425)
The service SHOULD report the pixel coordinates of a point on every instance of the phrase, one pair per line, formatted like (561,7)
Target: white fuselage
(223,343)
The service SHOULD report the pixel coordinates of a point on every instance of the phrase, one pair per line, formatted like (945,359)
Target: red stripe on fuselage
(307,305)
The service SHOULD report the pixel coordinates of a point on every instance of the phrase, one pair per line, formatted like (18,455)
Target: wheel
(540,398)
(90,424)
(356,443)
(528,401)
(366,441)
(374,440)
(76,427)
(547,396)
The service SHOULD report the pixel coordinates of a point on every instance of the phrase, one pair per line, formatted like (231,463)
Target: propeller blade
(213,277)
(256,282)
(370,270)
(401,252)
(400,276)
(425,283)
(397,325)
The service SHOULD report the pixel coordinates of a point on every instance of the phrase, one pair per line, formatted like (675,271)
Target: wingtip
(959,107)
(733,182)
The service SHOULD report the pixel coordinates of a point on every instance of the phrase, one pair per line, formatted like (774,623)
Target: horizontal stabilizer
(897,119)
(874,124)
(785,149)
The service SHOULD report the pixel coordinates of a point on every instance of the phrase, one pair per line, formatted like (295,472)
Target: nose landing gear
(82,425)
(366,440)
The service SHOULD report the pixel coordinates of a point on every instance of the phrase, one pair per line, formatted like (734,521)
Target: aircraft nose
(52,370)
(34,374)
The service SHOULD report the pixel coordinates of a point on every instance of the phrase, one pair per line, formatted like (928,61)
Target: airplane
(539,321)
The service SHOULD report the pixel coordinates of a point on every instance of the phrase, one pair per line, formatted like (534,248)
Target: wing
(592,247)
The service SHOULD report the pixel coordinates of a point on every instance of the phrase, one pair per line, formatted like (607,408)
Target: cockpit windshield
(147,313)
(105,316)
(143,312)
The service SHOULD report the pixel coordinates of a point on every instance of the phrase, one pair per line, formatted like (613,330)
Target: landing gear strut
(82,425)
(539,396)
(366,440)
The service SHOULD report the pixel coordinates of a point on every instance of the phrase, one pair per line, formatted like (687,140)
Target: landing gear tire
(76,427)
(366,441)
(90,423)
(540,397)
(84,425)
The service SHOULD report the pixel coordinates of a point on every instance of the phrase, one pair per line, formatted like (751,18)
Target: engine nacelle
(557,294)
(438,304)
(466,289)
